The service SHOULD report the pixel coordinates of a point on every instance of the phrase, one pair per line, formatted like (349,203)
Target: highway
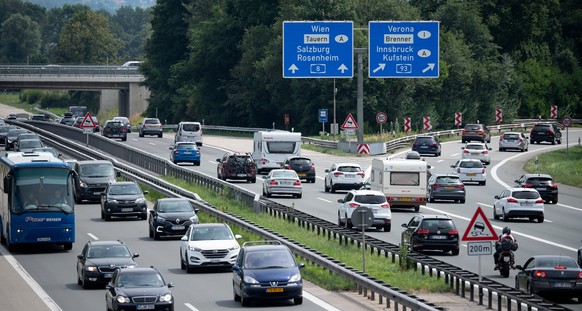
(212,290)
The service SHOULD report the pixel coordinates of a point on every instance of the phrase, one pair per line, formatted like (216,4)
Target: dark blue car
(427,144)
(266,270)
(185,152)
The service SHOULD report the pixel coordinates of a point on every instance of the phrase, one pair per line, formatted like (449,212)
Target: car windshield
(551,262)
(284,174)
(448,180)
(140,280)
(370,199)
(30,143)
(186,146)
(152,121)
(239,159)
(107,251)
(47,149)
(511,136)
(424,140)
(471,164)
(175,206)
(473,127)
(475,147)
(525,194)
(540,180)
(299,162)
(96,170)
(437,224)
(124,189)
(349,169)
(210,233)
(269,259)
(114,124)
(191,127)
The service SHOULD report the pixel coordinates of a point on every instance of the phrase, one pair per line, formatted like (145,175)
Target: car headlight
(161,219)
(130,266)
(112,201)
(166,297)
(140,200)
(234,247)
(194,219)
(91,268)
(122,299)
(250,280)
(82,184)
(295,278)
(194,248)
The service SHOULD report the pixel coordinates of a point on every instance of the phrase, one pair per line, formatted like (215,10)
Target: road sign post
(381,118)
(403,49)
(322,119)
(88,125)
(481,232)
(316,49)
(362,218)
(567,122)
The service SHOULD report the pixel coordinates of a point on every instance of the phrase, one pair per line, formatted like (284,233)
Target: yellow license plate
(302,175)
(449,188)
(405,199)
(473,174)
(275,290)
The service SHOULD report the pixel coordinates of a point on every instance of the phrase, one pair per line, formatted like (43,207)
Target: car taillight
(336,174)
(176,151)
(436,186)
(464,131)
(527,186)
(453,231)
(511,200)
(287,167)
(502,137)
(519,138)
(484,152)
(480,131)
(386,205)
(550,133)
(579,275)
(297,183)
(312,168)
(466,151)
(540,274)
(553,186)
(197,151)
(539,201)
(483,171)
(273,182)
(361,174)
(433,145)
(422,231)
(354,205)
(461,186)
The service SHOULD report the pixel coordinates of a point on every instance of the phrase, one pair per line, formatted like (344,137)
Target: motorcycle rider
(505,234)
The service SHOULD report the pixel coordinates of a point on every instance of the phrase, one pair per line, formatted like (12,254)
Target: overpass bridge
(119,87)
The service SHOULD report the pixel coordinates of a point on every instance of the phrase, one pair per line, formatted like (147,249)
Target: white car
(372,199)
(344,176)
(477,151)
(519,202)
(470,170)
(208,245)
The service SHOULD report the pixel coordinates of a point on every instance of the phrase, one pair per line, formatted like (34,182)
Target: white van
(189,131)
(270,149)
(403,181)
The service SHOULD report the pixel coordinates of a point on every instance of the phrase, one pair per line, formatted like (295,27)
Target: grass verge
(565,166)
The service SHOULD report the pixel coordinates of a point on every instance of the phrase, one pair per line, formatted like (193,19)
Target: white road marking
(454,154)
(324,200)
(93,236)
(191,307)
(153,144)
(439,161)
(513,232)
(319,302)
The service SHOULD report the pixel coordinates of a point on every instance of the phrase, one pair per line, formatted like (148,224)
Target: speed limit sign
(567,121)
(381,117)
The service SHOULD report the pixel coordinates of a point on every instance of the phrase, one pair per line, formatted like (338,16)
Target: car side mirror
(327,170)
(171,147)
(117,174)
(184,238)
(196,210)
(264,177)
(300,265)
(145,192)
(403,225)
(518,267)
(516,180)
(79,256)
(496,197)
(135,255)
(452,166)
(340,200)
(170,285)
(462,148)
(238,236)
(218,160)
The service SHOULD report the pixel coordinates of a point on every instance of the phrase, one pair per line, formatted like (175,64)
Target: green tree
(20,39)
(132,26)
(87,39)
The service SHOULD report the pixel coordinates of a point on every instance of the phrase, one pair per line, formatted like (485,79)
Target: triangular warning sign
(479,228)
(350,123)
(87,122)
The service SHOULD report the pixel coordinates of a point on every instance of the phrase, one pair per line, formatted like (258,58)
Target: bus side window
(6,184)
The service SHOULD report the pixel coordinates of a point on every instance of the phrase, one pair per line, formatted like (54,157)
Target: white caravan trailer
(270,149)
(402,181)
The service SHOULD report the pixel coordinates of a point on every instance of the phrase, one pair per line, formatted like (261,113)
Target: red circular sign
(567,121)
(381,117)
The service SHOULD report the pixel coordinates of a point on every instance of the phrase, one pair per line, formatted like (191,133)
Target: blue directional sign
(318,49)
(403,49)
(322,115)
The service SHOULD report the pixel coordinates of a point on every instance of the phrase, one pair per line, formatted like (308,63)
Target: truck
(403,181)
(78,111)
(271,148)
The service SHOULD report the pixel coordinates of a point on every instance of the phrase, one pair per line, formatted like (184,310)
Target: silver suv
(150,126)
(189,131)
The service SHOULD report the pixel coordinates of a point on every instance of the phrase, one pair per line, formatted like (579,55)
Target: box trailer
(270,149)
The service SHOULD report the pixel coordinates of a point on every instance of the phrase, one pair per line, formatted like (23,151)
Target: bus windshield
(42,190)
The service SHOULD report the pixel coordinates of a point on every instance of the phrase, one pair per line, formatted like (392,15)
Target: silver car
(477,151)
(280,181)
(470,170)
(513,140)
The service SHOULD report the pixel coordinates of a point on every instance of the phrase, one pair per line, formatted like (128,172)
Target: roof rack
(265,242)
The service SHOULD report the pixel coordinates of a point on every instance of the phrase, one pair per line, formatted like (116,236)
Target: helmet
(506,230)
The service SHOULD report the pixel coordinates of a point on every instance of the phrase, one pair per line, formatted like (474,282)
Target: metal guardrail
(461,281)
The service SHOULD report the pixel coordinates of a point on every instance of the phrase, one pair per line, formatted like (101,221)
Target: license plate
(275,290)
(187,152)
(286,183)
(438,237)
(562,284)
(107,275)
(472,174)
(178,227)
(115,135)
(241,175)
(540,188)
(96,193)
(146,307)
(423,147)
(375,211)
(541,133)
(405,199)
(127,209)
(526,203)
(506,258)
(350,176)
(43,239)
(302,175)
(449,188)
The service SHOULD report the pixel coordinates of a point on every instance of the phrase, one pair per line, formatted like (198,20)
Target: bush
(31,96)
(54,99)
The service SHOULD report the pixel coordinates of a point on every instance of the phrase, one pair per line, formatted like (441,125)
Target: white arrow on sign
(430,67)
(380,67)
(293,68)
(342,68)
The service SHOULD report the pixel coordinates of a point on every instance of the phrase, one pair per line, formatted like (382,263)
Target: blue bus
(37,204)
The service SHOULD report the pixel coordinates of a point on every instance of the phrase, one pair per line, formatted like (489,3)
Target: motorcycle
(506,262)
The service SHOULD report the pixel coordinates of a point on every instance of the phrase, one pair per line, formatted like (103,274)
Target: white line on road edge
(94,237)
(324,200)
(319,302)
(191,307)
(50,303)
(513,232)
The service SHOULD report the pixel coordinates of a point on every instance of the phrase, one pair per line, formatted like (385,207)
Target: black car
(546,131)
(114,129)
(99,259)
(123,199)
(303,166)
(446,187)
(11,137)
(266,270)
(543,183)
(427,144)
(139,288)
(557,275)
(171,216)
(431,232)
(40,117)
(92,178)
(4,128)
(236,166)
(24,136)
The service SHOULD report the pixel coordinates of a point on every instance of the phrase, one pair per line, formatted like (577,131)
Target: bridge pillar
(138,99)
(127,103)
(109,100)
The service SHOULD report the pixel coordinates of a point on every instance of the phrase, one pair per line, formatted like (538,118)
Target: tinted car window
(471,164)
(349,169)
(526,195)
(437,224)
(191,127)
(510,136)
(448,180)
(424,139)
(473,127)
(475,147)
(152,121)
(540,180)
(370,199)
(300,162)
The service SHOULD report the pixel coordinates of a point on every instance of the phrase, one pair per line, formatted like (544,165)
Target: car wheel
(339,220)
(348,223)
(495,216)
(77,200)
(504,215)
(107,216)
(102,214)
(150,231)
(325,188)
(462,141)
(79,282)
(245,301)
(555,200)
(455,252)
(157,235)
(298,300)
(531,289)
(197,163)
(417,208)
(331,188)
(182,264)
(312,181)
(140,134)
(160,135)
(84,282)
(532,142)
(462,201)
(189,269)
(541,219)
(501,149)
(144,217)
(299,196)
(387,227)
(234,294)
